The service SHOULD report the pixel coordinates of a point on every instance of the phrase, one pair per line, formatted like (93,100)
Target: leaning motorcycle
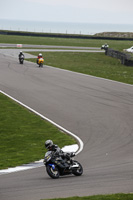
(21,59)
(54,166)
(40,62)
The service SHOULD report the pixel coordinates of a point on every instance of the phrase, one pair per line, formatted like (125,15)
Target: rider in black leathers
(19,56)
(59,153)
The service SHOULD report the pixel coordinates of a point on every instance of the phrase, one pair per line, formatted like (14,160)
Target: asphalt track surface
(98,111)
(46,46)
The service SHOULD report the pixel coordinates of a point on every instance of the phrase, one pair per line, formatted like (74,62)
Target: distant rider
(39,56)
(20,54)
(106,46)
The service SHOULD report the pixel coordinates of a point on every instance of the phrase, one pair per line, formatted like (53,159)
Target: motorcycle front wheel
(41,65)
(79,170)
(53,173)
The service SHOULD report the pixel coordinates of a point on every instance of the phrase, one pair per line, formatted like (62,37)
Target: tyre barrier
(125,58)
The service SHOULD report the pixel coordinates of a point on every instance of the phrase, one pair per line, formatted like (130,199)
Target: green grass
(23,134)
(96,64)
(115,44)
(100,197)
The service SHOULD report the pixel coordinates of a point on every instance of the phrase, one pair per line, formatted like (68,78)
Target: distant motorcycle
(54,166)
(105,46)
(21,59)
(40,62)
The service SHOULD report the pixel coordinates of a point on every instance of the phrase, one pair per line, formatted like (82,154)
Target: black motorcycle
(21,59)
(56,166)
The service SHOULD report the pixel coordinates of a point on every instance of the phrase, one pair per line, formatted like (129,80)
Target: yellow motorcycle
(40,62)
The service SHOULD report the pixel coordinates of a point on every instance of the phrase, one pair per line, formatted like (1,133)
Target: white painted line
(15,169)
(76,148)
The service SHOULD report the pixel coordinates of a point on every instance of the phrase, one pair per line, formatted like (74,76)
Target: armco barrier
(59,35)
(124,57)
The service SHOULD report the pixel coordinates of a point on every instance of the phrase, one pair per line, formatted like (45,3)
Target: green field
(114,44)
(100,197)
(23,134)
(96,64)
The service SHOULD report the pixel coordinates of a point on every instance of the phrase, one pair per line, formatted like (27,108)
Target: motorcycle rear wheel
(78,171)
(53,173)
(21,61)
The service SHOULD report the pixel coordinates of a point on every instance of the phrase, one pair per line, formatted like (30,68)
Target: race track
(99,111)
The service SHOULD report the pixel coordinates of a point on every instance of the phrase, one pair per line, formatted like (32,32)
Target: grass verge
(114,44)
(96,64)
(100,197)
(22,134)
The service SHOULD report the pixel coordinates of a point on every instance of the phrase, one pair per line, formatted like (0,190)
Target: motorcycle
(55,165)
(40,62)
(21,59)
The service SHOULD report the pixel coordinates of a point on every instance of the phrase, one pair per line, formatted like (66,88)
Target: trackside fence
(126,59)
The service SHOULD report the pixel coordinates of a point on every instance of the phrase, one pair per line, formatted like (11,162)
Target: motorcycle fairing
(53,166)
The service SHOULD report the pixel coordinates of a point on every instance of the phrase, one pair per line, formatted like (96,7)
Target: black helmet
(48,144)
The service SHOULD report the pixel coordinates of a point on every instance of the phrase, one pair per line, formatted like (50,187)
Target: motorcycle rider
(20,54)
(39,56)
(58,152)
